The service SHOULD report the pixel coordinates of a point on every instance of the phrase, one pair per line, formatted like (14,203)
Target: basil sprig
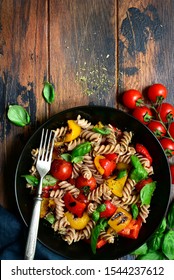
(100,226)
(160,246)
(48,180)
(48,92)
(18,115)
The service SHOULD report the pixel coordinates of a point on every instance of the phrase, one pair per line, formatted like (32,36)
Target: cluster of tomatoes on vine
(157,114)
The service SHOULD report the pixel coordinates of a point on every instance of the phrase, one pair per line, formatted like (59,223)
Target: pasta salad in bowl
(107,189)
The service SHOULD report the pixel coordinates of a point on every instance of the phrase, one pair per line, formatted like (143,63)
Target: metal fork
(43,165)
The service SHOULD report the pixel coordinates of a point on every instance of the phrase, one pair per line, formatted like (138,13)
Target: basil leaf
(135,211)
(50,218)
(170,216)
(146,193)
(48,92)
(18,115)
(49,180)
(77,159)
(152,255)
(168,245)
(104,130)
(66,157)
(162,226)
(96,232)
(32,180)
(155,242)
(142,250)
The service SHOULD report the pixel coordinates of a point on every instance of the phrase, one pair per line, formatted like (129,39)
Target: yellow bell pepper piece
(120,219)
(44,207)
(77,223)
(117,185)
(74,131)
(99,125)
(97,164)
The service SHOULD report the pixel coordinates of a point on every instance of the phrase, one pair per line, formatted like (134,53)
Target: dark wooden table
(90,50)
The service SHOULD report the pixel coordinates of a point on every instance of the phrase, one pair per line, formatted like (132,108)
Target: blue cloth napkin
(13,235)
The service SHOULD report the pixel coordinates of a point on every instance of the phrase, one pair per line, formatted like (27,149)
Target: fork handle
(33,230)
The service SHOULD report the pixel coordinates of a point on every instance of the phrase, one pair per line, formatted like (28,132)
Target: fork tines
(46,145)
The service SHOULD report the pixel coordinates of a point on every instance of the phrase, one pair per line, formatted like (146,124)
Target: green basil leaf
(155,242)
(135,211)
(162,226)
(142,250)
(104,130)
(152,255)
(50,218)
(96,232)
(168,245)
(77,159)
(18,115)
(49,180)
(48,92)
(66,157)
(146,193)
(31,180)
(170,216)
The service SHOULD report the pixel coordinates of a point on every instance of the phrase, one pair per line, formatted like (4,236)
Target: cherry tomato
(143,114)
(142,183)
(171,129)
(168,146)
(157,128)
(166,112)
(172,172)
(109,211)
(157,93)
(132,98)
(111,156)
(61,169)
(108,166)
(85,185)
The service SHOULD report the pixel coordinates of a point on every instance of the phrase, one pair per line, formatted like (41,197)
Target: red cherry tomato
(172,172)
(142,183)
(166,112)
(171,129)
(111,156)
(157,128)
(109,211)
(132,98)
(108,166)
(168,146)
(157,93)
(61,169)
(85,185)
(143,114)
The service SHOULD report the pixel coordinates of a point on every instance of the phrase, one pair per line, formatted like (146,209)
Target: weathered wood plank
(23,65)
(145,44)
(82,52)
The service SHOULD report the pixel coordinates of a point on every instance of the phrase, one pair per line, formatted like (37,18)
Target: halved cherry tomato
(157,93)
(143,114)
(61,169)
(85,185)
(109,211)
(157,128)
(111,156)
(132,98)
(73,205)
(142,183)
(166,112)
(132,229)
(108,166)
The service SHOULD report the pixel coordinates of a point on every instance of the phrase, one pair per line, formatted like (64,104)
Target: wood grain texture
(92,51)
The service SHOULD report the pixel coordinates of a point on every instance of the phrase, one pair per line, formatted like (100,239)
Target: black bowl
(160,199)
